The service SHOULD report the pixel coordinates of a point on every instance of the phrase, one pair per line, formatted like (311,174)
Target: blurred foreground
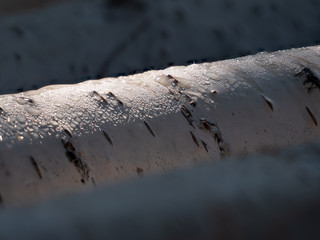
(271,196)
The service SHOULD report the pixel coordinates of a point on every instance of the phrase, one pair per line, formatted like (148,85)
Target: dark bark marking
(67,132)
(101,98)
(139,171)
(36,166)
(107,137)
(205,145)
(194,139)
(149,128)
(310,77)
(312,116)
(71,154)
(187,114)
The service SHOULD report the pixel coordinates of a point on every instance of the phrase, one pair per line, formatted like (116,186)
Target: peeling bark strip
(267,101)
(174,81)
(312,116)
(36,166)
(149,128)
(107,137)
(1,111)
(74,108)
(193,103)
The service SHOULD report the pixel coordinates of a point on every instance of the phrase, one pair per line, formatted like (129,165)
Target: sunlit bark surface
(66,138)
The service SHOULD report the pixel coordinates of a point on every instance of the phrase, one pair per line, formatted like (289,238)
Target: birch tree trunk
(65,138)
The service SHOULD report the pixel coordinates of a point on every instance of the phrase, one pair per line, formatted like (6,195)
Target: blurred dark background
(68,41)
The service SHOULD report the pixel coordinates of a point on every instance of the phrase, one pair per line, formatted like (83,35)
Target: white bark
(70,137)
(261,197)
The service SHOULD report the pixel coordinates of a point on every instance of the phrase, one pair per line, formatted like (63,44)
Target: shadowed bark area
(270,196)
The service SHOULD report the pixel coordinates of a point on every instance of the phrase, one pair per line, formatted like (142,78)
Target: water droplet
(59,115)
(163,80)
(1,139)
(35,135)
(184,83)
(113,102)
(20,138)
(43,123)
(21,118)
(32,110)
(46,129)
(21,100)
(54,123)
(128,104)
